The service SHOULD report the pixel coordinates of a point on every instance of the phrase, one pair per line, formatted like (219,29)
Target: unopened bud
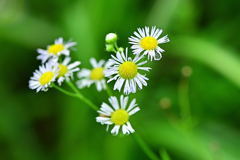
(120,49)
(109,47)
(111,38)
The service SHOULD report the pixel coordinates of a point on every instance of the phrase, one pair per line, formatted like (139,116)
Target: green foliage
(49,125)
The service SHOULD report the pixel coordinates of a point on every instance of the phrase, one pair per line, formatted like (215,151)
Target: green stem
(164,155)
(87,101)
(184,99)
(144,147)
(74,88)
(77,94)
(109,91)
(114,50)
(64,91)
(115,44)
(81,97)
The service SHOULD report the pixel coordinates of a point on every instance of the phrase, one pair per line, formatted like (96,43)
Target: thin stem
(87,101)
(144,147)
(114,50)
(81,97)
(164,155)
(77,94)
(115,44)
(109,91)
(184,99)
(64,91)
(73,88)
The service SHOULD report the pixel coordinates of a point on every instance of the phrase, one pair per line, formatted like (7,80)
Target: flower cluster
(52,67)
(127,70)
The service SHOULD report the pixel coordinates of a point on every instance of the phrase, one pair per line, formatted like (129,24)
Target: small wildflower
(126,70)
(96,75)
(118,115)
(148,42)
(66,71)
(43,77)
(55,50)
(111,38)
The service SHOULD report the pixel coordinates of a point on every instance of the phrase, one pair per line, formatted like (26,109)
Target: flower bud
(111,38)
(120,49)
(109,47)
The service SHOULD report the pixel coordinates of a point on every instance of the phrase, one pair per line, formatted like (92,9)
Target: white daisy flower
(118,115)
(126,70)
(43,77)
(95,75)
(66,71)
(148,42)
(55,50)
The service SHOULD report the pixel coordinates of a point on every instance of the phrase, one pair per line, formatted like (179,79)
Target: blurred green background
(204,38)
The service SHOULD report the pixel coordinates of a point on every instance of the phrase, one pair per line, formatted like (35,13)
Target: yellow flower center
(97,73)
(128,70)
(149,43)
(46,78)
(55,48)
(119,117)
(63,70)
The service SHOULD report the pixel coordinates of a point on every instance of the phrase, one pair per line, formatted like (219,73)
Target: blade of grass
(223,60)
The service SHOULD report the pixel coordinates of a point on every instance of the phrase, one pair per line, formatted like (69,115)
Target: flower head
(43,77)
(148,42)
(96,75)
(126,70)
(118,115)
(66,70)
(55,50)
